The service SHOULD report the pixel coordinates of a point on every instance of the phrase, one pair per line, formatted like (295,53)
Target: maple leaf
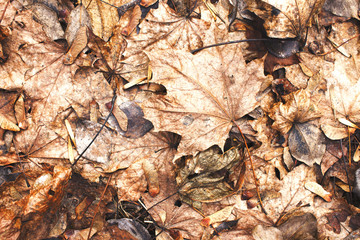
(202,101)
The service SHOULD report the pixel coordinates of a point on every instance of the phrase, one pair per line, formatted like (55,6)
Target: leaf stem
(98,133)
(252,168)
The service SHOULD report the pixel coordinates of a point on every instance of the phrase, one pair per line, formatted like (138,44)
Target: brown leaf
(77,45)
(293,17)
(47,192)
(307,143)
(78,18)
(298,108)
(202,178)
(103,16)
(202,101)
(49,19)
(7,114)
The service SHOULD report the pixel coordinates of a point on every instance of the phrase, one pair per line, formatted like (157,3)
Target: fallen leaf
(194,175)
(291,17)
(7,114)
(49,19)
(218,216)
(319,190)
(47,193)
(103,16)
(202,103)
(298,109)
(307,143)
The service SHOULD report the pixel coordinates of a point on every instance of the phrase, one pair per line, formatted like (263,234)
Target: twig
(98,133)
(252,168)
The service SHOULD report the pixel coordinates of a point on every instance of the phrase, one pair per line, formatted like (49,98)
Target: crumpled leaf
(298,109)
(137,230)
(202,178)
(344,8)
(202,102)
(293,17)
(46,193)
(298,227)
(307,143)
(49,19)
(103,16)
(137,125)
(171,215)
(7,114)
(79,17)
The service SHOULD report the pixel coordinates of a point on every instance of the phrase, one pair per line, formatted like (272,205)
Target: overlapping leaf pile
(181,118)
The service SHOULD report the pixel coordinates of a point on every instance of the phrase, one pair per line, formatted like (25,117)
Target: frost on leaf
(202,101)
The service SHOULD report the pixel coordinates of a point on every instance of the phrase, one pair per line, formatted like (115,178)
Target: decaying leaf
(319,190)
(152,178)
(47,193)
(49,19)
(218,216)
(103,16)
(202,178)
(7,114)
(298,109)
(307,143)
(202,103)
(293,18)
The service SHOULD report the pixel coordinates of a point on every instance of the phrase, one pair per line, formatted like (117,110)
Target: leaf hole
(277,173)
(178,203)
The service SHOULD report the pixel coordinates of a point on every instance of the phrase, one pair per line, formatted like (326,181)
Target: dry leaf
(103,16)
(7,114)
(47,193)
(202,101)
(298,109)
(307,143)
(194,175)
(218,216)
(294,17)
(319,190)
(79,17)
(49,19)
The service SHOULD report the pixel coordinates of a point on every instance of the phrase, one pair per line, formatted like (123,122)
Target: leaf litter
(177,143)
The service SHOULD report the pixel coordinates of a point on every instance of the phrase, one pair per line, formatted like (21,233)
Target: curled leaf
(202,178)
(319,190)
(298,108)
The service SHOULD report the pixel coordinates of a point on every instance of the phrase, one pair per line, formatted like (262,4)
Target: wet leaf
(307,143)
